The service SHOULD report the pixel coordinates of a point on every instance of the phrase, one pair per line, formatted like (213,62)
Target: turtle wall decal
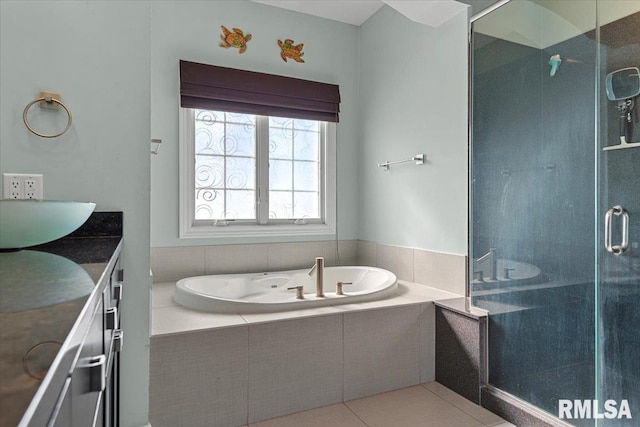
(289,50)
(235,38)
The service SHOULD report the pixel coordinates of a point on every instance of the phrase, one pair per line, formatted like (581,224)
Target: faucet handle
(339,287)
(507,271)
(299,294)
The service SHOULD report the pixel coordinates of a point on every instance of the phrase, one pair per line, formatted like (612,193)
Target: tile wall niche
(435,269)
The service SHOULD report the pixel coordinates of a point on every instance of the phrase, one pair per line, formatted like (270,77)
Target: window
(257,153)
(251,175)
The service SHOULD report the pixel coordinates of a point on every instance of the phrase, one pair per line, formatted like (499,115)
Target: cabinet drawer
(89,372)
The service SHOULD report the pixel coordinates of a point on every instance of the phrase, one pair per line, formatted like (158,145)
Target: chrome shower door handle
(624,245)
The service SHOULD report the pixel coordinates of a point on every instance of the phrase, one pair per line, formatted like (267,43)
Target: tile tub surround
(434,269)
(280,363)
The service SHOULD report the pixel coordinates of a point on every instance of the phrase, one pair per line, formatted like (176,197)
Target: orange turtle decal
(289,50)
(235,38)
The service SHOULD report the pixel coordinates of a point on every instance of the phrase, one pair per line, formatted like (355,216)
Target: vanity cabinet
(81,387)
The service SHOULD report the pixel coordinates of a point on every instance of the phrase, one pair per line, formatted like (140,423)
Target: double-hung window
(245,174)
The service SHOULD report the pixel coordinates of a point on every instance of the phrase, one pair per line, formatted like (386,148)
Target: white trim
(262,170)
(187,170)
(197,232)
(330,176)
(187,227)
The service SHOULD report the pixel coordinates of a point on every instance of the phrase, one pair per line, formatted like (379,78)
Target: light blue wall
(190,30)
(403,87)
(413,91)
(96,54)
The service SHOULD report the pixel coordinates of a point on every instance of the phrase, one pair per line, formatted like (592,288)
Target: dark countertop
(43,289)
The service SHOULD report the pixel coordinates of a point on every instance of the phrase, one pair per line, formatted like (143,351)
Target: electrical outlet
(12,186)
(33,187)
(22,186)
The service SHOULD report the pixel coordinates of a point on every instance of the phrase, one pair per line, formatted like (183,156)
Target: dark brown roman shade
(228,89)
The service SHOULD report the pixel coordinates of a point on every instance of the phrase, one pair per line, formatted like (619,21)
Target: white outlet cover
(22,186)
(11,186)
(32,185)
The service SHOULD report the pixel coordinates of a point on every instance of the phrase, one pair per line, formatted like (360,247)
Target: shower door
(563,295)
(618,278)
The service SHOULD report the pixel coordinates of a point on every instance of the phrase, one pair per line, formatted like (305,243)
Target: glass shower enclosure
(555,204)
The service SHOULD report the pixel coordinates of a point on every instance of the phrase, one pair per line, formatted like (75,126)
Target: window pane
(247,119)
(308,125)
(280,143)
(240,140)
(209,137)
(305,176)
(280,122)
(209,204)
(214,204)
(209,117)
(306,145)
(225,165)
(306,205)
(298,140)
(280,175)
(241,173)
(209,171)
(280,204)
(240,204)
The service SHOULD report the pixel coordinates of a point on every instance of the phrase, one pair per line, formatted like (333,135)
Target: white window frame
(192,229)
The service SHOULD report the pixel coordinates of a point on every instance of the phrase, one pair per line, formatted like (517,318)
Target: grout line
(451,403)
(462,409)
(354,413)
(268,250)
(204,260)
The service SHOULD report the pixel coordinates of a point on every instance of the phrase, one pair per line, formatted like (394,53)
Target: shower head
(554,61)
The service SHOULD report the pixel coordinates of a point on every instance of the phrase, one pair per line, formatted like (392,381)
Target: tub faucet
(491,259)
(318,268)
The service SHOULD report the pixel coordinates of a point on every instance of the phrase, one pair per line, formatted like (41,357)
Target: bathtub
(267,292)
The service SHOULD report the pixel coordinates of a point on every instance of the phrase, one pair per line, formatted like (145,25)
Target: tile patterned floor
(430,404)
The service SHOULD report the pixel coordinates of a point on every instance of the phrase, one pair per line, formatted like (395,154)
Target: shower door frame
(602,193)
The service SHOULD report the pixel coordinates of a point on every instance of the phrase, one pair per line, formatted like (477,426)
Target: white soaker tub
(267,292)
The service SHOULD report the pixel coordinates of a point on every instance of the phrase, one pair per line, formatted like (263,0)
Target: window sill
(288,230)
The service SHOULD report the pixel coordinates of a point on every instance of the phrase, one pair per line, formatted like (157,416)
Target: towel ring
(48,100)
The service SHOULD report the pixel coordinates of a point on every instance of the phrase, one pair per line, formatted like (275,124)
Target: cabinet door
(88,374)
(61,416)
(111,393)
(112,344)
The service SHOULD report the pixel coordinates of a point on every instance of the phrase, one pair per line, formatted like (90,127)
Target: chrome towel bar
(418,158)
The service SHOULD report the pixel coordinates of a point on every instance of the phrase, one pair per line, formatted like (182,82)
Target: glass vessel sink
(25,223)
